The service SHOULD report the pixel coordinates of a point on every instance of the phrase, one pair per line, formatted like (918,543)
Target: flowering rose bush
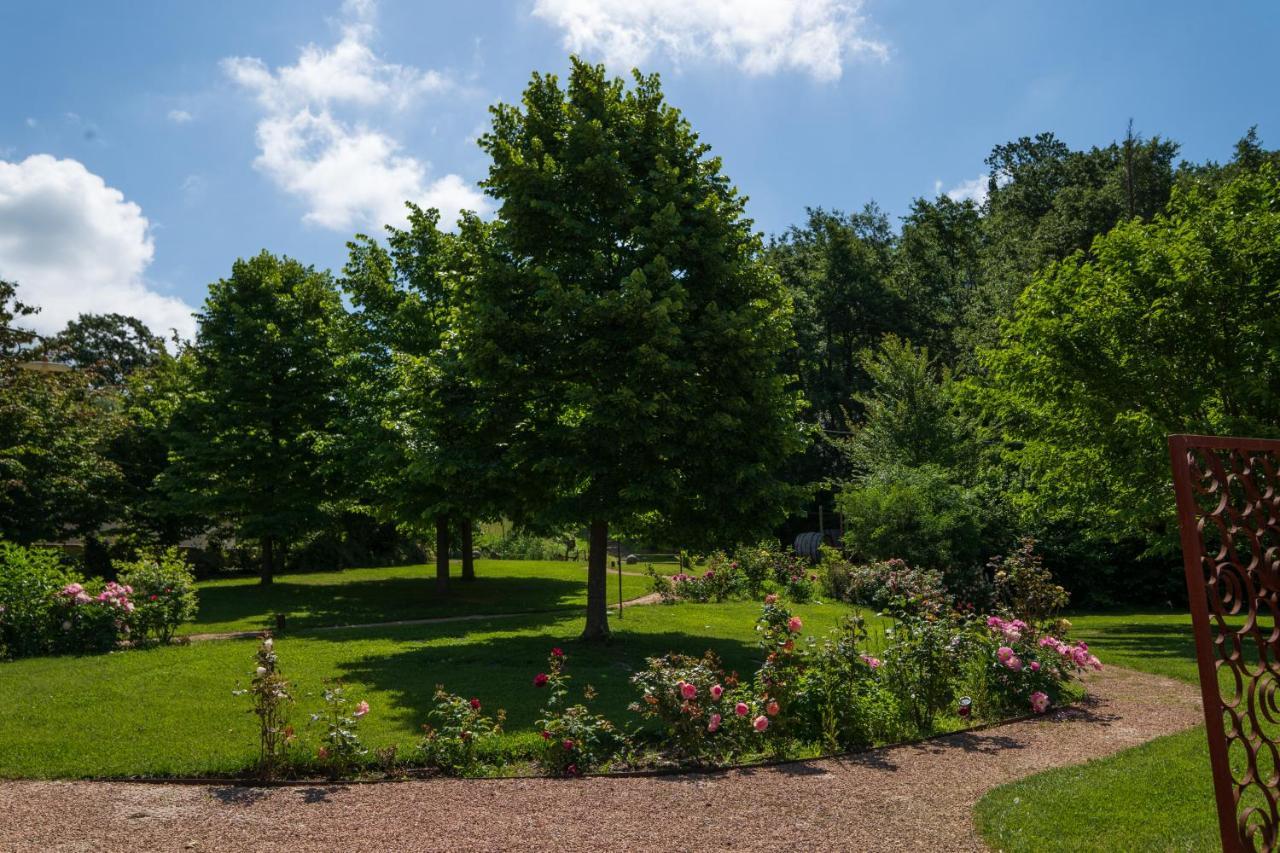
(341,748)
(778,680)
(1013,669)
(271,698)
(456,729)
(574,741)
(889,585)
(163,592)
(92,622)
(692,699)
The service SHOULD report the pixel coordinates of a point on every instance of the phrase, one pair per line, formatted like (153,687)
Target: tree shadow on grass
(312,605)
(499,670)
(1169,641)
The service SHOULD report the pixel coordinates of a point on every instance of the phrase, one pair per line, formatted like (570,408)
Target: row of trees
(617,350)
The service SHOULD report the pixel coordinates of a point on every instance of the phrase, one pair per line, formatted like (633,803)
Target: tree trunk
(597,565)
(468,553)
(442,554)
(268,561)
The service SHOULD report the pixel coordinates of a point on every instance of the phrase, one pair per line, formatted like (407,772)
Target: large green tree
(57,477)
(107,346)
(627,315)
(427,443)
(253,439)
(1164,326)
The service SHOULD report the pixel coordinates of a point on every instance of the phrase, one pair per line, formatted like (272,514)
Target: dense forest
(944,385)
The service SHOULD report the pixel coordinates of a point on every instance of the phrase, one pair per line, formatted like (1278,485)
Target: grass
(360,596)
(170,710)
(1158,796)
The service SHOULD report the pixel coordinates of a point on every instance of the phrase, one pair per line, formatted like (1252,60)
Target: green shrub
(1024,588)
(692,700)
(841,702)
(574,740)
(891,585)
(921,663)
(914,514)
(456,730)
(164,594)
(30,616)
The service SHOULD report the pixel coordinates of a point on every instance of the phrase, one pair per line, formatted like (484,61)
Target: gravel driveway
(898,798)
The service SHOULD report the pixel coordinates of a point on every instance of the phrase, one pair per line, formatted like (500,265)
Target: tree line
(617,350)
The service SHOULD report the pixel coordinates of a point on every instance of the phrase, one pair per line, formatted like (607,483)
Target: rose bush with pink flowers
(691,700)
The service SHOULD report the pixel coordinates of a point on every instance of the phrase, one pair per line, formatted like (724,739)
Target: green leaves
(1169,326)
(638,334)
(249,445)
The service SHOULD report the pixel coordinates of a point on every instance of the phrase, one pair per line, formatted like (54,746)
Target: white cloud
(758,36)
(348,172)
(75,245)
(180,116)
(974,189)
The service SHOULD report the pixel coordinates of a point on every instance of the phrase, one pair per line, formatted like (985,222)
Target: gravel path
(898,798)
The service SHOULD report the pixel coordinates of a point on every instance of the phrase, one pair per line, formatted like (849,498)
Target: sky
(145,146)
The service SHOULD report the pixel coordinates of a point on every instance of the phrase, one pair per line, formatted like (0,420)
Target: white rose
(262,670)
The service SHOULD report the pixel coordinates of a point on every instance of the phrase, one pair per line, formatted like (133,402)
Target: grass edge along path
(1157,796)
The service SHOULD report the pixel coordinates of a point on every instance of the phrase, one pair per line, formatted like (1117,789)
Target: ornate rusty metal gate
(1228,494)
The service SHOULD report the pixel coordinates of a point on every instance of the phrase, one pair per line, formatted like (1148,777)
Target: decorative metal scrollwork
(1228,495)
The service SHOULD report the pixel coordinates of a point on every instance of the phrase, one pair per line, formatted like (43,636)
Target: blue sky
(145,146)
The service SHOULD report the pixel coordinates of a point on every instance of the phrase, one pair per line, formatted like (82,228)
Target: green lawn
(1158,796)
(171,710)
(360,596)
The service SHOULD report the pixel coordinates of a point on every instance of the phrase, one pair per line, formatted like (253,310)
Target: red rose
(540,680)
(557,652)
(154,597)
(475,704)
(546,735)
(571,770)
(568,745)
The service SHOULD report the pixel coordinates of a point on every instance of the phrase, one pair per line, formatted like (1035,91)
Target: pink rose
(716,692)
(1039,702)
(688,691)
(1035,666)
(772,708)
(771,598)
(794,624)
(714,723)
(1014,663)
(874,663)
(741,709)
(361,709)
(760,723)
(1004,653)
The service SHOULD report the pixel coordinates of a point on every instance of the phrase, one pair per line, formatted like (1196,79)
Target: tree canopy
(253,439)
(640,334)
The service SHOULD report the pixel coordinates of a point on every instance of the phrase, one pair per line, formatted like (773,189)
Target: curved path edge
(917,796)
